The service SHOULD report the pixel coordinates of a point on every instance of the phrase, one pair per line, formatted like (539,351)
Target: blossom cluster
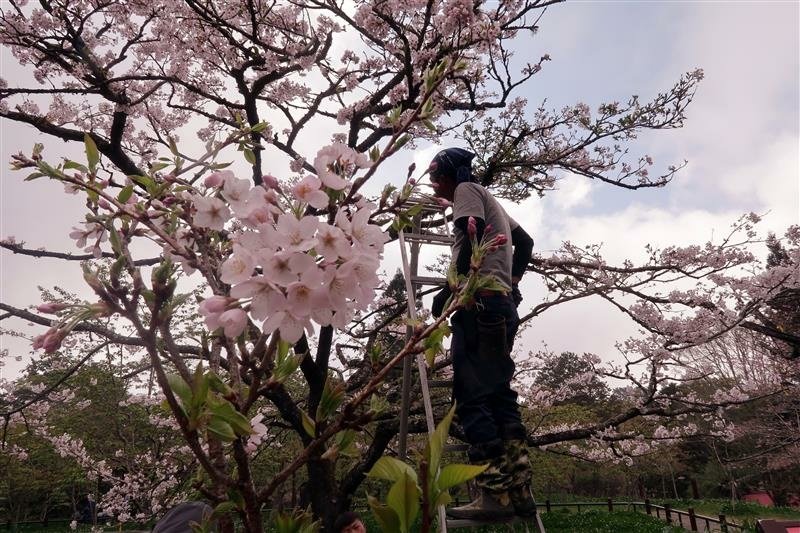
(287,268)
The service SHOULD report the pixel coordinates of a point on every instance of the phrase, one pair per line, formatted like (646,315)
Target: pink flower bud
(412,181)
(270,182)
(500,239)
(51,307)
(215,179)
(214,305)
(233,322)
(38,342)
(103,203)
(52,340)
(472,227)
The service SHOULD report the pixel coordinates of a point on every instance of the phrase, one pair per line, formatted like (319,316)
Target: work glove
(515,294)
(439,300)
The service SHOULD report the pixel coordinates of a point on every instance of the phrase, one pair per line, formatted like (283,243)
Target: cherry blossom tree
(286,244)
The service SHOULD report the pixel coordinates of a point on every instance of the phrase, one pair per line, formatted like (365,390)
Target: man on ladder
(483,336)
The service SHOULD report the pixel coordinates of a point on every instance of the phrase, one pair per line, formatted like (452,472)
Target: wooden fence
(686,519)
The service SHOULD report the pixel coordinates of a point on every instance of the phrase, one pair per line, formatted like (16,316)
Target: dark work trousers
(481,349)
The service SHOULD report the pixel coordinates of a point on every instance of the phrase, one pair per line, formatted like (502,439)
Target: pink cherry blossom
(296,235)
(211,213)
(236,192)
(238,267)
(337,162)
(332,243)
(308,190)
(289,326)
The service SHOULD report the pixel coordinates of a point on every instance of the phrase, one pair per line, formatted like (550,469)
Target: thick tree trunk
(323,491)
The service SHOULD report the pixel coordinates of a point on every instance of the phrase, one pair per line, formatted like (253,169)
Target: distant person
(349,522)
(180,518)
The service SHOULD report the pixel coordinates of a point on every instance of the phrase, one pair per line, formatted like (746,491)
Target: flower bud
(500,239)
(215,179)
(214,305)
(472,227)
(52,340)
(270,182)
(51,307)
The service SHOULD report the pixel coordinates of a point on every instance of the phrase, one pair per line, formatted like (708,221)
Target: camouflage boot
(493,503)
(519,470)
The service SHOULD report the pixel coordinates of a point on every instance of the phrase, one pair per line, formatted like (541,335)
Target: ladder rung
(429,280)
(428,238)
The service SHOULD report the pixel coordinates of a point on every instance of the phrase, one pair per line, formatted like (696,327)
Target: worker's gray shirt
(472,200)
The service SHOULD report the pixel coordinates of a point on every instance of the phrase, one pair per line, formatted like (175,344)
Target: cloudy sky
(741,142)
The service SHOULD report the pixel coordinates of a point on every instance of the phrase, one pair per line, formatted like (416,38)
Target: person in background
(349,522)
(482,338)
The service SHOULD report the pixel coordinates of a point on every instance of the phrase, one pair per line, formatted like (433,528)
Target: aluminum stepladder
(413,282)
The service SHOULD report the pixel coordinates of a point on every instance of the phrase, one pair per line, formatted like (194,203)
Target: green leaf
(144,181)
(442,499)
(378,404)
(391,469)
(331,398)
(173,147)
(402,141)
(180,388)
(92,153)
(403,498)
(125,194)
(309,425)
(250,156)
(386,517)
(73,165)
(224,508)
(414,211)
(216,384)
(436,442)
(199,387)
(456,474)
(220,429)
(224,410)
(155,167)
(34,175)
(261,126)
(433,342)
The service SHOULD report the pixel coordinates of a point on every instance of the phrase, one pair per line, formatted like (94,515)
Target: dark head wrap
(455,162)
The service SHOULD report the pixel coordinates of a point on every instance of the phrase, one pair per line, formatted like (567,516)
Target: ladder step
(429,280)
(428,238)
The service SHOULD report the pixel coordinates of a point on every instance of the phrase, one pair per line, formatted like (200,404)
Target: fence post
(647,506)
(547,504)
(610,505)
(723,523)
(692,519)
(667,513)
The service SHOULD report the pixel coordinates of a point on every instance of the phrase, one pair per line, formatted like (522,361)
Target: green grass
(564,521)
